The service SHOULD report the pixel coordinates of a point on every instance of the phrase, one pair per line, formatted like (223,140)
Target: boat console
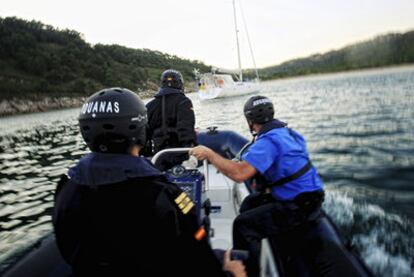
(191,181)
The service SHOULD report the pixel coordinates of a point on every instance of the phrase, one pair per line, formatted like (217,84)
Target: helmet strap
(252,131)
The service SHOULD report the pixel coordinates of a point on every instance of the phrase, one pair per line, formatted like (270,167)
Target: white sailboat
(220,83)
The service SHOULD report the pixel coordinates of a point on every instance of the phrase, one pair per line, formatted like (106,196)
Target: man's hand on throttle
(236,268)
(201,152)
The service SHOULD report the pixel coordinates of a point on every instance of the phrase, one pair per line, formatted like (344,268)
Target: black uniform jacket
(117,216)
(179,120)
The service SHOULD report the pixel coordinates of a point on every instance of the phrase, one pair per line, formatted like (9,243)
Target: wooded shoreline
(44,68)
(14,106)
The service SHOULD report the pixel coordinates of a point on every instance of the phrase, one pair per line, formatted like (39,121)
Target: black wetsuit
(117,216)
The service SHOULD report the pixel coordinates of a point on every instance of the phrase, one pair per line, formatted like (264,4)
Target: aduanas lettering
(100,107)
(261,101)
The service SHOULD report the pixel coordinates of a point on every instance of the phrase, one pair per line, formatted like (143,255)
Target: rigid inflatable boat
(316,249)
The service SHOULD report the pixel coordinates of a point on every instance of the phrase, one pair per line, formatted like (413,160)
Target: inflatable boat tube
(317,250)
(226,143)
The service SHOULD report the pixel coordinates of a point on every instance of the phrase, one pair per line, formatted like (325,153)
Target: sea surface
(359,127)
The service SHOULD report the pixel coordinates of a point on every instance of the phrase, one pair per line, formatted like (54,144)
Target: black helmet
(112,120)
(259,109)
(171,78)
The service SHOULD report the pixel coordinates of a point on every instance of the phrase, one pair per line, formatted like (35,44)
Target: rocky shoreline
(19,106)
(16,106)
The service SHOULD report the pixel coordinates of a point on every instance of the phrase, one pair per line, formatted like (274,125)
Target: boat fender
(226,143)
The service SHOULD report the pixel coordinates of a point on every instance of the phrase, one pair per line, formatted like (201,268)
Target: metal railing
(267,261)
(184,150)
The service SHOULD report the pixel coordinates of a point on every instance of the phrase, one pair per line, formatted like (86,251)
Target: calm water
(360,132)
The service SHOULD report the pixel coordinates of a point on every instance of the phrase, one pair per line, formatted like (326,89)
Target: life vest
(262,184)
(163,135)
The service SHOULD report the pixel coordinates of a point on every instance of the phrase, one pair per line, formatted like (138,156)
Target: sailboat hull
(238,88)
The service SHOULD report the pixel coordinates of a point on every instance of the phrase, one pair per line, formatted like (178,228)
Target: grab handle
(184,150)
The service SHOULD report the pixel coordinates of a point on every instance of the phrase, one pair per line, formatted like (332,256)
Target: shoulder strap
(62,181)
(165,129)
(298,173)
(163,119)
(292,177)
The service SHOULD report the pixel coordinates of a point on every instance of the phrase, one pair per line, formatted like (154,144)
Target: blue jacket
(280,152)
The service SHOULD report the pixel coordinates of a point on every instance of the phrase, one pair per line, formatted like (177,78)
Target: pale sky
(279,30)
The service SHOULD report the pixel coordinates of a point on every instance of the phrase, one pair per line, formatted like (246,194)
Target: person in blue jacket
(289,191)
(116,214)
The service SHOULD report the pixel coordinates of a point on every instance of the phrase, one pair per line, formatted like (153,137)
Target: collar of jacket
(167,91)
(274,124)
(97,169)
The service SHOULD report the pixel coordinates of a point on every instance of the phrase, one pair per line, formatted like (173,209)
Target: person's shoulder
(160,183)
(180,199)
(186,97)
(62,183)
(176,196)
(275,133)
(268,135)
(183,99)
(268,139)
(152,180)
(151,102)
(153,187)
(171,189)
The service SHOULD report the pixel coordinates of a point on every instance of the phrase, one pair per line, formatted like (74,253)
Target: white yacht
(220,83)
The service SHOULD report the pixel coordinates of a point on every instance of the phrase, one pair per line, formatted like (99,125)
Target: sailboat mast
(237,41)
(248,40)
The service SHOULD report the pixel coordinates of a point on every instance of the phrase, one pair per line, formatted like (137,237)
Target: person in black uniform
(171,118)
(116,215)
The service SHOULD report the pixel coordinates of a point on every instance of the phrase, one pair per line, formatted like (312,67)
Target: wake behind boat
(316,249)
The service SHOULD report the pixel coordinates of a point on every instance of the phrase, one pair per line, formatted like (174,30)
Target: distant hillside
(38,60)
(390,49)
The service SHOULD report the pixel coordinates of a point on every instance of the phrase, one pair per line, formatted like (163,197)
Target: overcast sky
(204,30)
